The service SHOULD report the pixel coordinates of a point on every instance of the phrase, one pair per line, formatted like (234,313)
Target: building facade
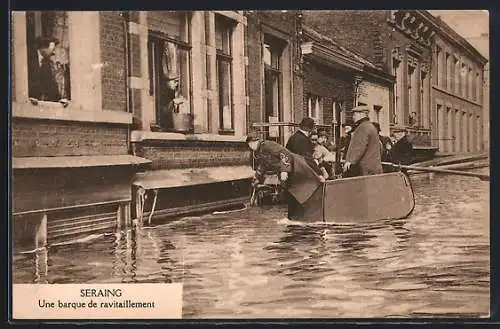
(457,92)
(274,75)
(93,157)
(336,80)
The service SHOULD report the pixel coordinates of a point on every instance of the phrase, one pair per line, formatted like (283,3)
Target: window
(48,56)
(420,118)
(447,70)
(169,69)
(411,87)
(377,109)
(397,106)
(314,108)
(223,37)
(272,50)
(463,81)
(438,66)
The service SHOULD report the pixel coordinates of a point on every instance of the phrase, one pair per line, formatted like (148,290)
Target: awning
(193,176)
(77,161)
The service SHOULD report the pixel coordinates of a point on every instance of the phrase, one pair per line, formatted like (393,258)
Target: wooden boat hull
(360,199)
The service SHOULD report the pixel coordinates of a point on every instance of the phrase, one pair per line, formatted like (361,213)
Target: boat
(352,200)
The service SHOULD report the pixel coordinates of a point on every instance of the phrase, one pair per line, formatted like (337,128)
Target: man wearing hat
(43,85)
(386,144)
(299,180)
(299,143)
(364,148)
(402,150)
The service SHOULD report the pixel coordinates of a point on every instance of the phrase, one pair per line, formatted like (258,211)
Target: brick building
(80,167)
(405,44)
(274,75)
(457,91)
(403,52)
(335,77)
(71,169)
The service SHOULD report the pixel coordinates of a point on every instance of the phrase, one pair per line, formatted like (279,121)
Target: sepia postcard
(250,164)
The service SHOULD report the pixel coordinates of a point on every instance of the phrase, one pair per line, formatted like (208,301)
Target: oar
(484,177)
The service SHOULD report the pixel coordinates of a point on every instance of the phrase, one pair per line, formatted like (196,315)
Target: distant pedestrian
(364,148)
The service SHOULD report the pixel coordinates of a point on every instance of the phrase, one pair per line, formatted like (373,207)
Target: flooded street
(256,263)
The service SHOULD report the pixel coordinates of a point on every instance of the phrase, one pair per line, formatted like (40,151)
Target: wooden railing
(275,131)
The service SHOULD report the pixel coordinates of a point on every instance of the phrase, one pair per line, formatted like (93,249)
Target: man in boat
(402,150)
(345,140)
(386,144)
(364,148)
(300,143)
(322,156)
(299,180)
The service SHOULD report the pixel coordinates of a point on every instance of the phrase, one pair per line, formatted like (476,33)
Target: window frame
(85,78)
(155,38)
(227,58)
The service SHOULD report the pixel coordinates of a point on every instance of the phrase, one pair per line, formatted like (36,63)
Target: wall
(373,94)
(112,42)
(283,25)
(361,31)
(330,85)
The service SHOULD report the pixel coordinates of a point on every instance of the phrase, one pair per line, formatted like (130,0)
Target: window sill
(55,111)
(139,136)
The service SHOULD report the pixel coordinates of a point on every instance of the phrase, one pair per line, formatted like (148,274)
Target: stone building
(83,158)
(457,91)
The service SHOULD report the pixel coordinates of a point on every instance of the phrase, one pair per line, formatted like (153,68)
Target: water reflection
(256,263)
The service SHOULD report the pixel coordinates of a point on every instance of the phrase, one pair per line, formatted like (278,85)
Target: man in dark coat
(43,84)
(300,143)
(299,179)
(364,148)
(386,144)
(344,141)
(402,150)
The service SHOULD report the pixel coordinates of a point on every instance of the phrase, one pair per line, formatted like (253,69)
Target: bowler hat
(361,109)
(307,123)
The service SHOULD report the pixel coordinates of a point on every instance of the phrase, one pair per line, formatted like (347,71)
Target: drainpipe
(128,105)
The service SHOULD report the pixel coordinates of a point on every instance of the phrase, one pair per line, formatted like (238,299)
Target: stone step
(55,223)
(81,229)
(61,224)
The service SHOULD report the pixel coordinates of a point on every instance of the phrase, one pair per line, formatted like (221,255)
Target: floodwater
(257,264)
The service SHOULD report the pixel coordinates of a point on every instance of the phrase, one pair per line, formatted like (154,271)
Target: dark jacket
(365,148)
(43,84)
(271,157)
(300,144)
(386,141)
(344,144)
(402,152)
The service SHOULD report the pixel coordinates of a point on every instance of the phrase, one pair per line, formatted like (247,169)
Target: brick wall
(254,81)
(364,32)
(190,154)
(112,31)
(330,85)
(32,137)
